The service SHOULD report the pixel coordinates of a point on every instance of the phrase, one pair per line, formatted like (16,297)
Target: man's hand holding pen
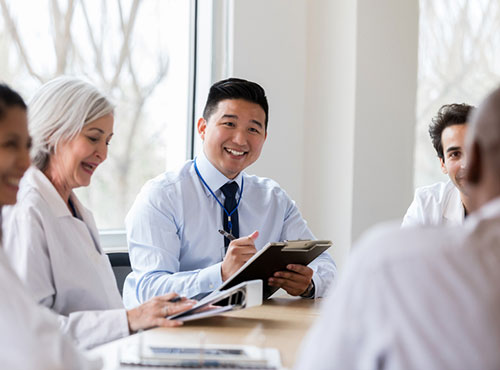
(239,251)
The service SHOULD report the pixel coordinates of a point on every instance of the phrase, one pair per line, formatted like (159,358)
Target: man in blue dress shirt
(172,227)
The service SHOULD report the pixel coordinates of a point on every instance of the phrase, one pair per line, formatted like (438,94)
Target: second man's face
(453,142)
(233,136)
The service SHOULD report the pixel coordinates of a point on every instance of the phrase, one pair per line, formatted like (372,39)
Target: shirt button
(211,286)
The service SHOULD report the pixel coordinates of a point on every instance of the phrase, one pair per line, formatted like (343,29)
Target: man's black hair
(448,115)
(235,88)
(8,99)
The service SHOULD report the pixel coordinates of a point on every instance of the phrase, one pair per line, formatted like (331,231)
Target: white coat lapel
(454,212)
(88,219)
(57,205)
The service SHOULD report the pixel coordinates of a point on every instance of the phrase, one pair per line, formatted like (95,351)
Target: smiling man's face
(453,165)
(233,136)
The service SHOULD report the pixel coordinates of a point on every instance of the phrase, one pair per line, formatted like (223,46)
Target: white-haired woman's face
(15,143)
(76,160)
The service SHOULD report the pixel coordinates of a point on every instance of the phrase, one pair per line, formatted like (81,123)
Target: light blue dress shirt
(173,238)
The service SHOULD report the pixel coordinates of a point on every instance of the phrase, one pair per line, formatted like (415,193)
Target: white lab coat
(436,204)
(29,334)
(59,259)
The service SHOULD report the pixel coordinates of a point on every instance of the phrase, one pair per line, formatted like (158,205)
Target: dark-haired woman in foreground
(29,334)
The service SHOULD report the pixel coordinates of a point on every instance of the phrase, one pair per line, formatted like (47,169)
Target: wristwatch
(309,292)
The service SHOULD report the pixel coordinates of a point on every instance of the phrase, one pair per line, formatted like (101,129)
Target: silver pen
(227,235)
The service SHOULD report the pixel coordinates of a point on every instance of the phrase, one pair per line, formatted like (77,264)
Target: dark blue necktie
(229,190)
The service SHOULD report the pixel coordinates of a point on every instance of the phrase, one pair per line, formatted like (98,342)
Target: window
(459,62)
(138,52)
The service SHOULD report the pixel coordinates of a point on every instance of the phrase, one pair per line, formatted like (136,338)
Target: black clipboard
(275,257)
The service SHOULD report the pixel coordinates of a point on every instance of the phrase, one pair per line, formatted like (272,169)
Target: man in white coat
(423,298)
(444,202)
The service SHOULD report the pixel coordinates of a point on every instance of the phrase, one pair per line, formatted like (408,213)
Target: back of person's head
(235,88)
(484,133)
(59,111)
(482,174)
(8,99)
(448,115)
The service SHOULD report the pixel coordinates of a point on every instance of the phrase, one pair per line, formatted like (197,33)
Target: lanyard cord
(217,199)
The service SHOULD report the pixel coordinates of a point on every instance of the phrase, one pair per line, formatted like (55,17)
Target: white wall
(386,86)
(329,138)
(341,81)
(270,48)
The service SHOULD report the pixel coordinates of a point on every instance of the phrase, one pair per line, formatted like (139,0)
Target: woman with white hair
(52,240)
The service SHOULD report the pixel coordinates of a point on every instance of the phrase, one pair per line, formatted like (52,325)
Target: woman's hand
(154,312)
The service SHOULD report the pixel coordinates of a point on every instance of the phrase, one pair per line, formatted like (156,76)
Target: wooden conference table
(280,323)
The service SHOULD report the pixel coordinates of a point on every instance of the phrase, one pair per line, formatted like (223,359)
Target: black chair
(120,262)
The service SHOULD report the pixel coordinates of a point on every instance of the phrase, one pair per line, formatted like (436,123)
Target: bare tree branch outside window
(122,47)
(459,62)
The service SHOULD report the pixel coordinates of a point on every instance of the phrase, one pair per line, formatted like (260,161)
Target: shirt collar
(454,210)
(212,176)
(37,178)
